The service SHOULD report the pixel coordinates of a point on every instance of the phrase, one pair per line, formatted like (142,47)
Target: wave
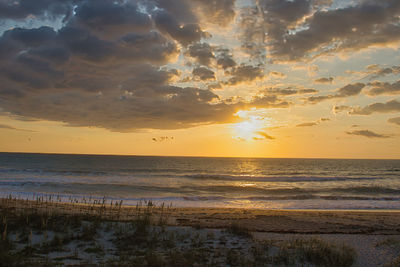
(277,178)
(367,190)
(220,190)
(198,174)
(110,172)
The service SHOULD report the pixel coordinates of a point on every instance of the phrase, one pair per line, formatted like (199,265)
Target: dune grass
(45,232)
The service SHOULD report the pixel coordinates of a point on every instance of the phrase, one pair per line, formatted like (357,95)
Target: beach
(280,237)
(91,210)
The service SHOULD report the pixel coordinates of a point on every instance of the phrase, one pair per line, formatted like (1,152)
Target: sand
(364,231)
(258,220)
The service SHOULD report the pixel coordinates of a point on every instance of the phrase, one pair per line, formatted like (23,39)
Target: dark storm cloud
(324,80)
(388,107)
(368,134)
(384,88)
(203,74)
(346,91)
(395,120)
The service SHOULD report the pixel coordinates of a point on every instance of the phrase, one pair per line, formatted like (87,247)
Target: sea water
(205,182)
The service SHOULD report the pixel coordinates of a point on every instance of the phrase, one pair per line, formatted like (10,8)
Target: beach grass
(48,232)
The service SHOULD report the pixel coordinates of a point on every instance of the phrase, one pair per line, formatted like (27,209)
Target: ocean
(205,182)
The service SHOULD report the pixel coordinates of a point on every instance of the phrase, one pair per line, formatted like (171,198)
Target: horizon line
(186,156)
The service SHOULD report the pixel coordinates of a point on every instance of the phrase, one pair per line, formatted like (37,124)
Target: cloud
(107,19)
(106,65)
(288,91)
(297,29)
(185,34)
(390,106)
(324,80)
(111,64)
(277,17)
(220,12)
(268,101)
(338,109)
(395,120)
(245,73)
(202,52)
(346,91)
(368,134)
(384,88)
(277,75)
(8,127)
(252,34)
(307,124)
(203,74)
(314,123)
(225,59)
(10,9)
(350,90)
(263,136)
(376,71)
(215,86)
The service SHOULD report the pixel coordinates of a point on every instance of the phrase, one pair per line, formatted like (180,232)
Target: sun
(253,123)
(246,130)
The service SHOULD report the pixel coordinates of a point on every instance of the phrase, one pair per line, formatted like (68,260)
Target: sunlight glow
(252,126)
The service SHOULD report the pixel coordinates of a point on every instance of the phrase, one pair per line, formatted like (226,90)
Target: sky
(230,78)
